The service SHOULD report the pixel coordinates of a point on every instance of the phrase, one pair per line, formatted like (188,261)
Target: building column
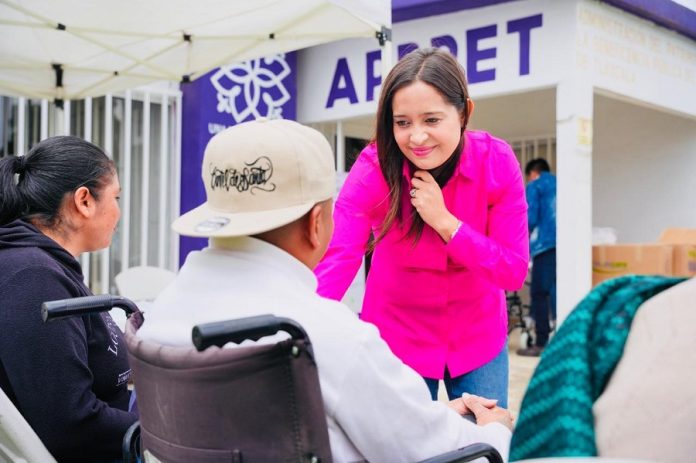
(574,99)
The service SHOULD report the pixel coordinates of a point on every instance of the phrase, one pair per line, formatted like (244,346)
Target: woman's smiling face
(427,128)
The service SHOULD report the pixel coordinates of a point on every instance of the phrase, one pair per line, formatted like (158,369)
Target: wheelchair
(519,316)
(210,404)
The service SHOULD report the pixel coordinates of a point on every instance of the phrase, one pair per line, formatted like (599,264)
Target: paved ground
(521,369)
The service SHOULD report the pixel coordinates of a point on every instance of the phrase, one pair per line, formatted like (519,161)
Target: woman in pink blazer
(447,209)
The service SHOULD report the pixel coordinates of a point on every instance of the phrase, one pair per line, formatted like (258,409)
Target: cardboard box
(683,241)
(614,260)
(684,260)
(678,236)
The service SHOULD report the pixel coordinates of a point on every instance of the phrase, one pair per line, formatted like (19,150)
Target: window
(138,130)
(530,148)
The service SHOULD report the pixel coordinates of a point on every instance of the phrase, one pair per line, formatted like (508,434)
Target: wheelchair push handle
(54,310)
(220,333)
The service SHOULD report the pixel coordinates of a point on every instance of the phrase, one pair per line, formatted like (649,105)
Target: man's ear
(84,202)
(313,227)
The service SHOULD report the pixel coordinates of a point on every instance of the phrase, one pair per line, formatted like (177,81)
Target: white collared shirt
(378,409)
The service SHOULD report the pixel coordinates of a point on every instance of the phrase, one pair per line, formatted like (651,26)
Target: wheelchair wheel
(526,339)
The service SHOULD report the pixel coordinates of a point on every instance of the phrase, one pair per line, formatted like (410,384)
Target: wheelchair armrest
(468,453)
(220,333)
(131,444)
(54,310)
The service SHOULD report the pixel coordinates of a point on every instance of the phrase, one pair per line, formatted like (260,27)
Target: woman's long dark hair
(442,71)
(32,187)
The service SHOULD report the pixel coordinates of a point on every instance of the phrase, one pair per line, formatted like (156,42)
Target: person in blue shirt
(541,198)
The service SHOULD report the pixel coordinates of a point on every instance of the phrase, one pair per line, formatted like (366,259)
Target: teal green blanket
(556,415)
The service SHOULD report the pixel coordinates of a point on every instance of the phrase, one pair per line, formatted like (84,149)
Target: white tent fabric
(71,49)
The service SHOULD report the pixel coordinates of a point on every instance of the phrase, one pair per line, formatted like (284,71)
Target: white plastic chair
(18,441)
(142,285)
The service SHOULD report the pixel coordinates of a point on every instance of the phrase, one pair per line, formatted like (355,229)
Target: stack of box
(683,242)
(674,255)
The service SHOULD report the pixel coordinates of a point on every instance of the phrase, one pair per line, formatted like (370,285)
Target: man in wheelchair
(268,214)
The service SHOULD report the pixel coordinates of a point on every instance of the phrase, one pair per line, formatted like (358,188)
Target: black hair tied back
(33,186)
(20,167)
(20,164)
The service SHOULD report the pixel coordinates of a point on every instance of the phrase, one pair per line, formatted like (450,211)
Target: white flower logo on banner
(242,87)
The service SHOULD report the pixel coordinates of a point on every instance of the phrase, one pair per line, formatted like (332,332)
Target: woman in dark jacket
(68,378)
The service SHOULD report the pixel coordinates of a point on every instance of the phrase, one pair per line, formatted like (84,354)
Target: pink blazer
(437,305)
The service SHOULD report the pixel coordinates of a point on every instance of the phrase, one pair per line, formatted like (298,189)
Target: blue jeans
(543,294)
(489,381)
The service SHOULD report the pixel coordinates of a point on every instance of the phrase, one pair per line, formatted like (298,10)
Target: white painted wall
(518,115)
(317,67)
(511,116)
(644,170)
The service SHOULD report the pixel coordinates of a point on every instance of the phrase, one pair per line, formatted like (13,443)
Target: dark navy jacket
(68,378)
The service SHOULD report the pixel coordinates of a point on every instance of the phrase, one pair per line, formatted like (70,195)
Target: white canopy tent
(71,49)
(76,49)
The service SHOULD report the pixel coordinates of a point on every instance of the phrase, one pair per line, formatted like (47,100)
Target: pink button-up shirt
(436,304)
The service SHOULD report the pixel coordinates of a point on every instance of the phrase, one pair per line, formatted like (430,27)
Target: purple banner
(264,87)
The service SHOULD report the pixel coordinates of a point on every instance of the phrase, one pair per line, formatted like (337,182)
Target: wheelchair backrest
(255,403)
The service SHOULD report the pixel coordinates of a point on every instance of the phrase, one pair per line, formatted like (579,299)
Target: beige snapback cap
(258,176)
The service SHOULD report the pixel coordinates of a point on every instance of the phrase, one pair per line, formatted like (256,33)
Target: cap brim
(205,222)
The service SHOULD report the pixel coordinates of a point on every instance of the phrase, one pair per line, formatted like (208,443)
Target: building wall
(643,168)
(517,115)
(505,49)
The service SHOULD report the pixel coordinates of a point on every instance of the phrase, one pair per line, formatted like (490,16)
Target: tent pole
(384,36)
(340,148)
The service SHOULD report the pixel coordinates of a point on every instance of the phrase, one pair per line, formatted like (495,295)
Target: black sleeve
(47,366)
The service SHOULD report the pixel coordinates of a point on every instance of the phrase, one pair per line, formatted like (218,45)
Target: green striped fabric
(556,415)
